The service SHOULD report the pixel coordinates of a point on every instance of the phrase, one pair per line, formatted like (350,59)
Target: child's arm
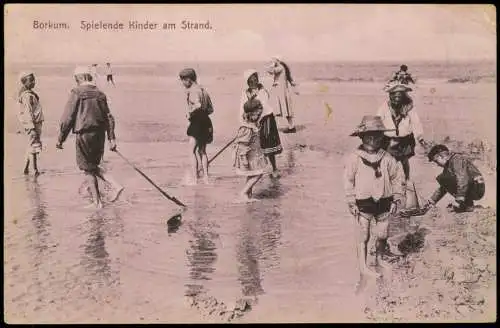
(68,118)
(437,195)
(350,168)
(416,125)
(397,178)
(244,136)
(26,115)
(110,120)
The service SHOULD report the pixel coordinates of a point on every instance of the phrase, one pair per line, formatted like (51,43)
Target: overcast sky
(255,32)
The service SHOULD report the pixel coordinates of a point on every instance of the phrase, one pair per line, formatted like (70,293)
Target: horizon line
(256,60)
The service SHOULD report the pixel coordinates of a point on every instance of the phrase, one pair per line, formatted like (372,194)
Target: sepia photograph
(250,163)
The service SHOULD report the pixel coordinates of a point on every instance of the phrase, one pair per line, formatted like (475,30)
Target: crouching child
(373,182)
(460,178)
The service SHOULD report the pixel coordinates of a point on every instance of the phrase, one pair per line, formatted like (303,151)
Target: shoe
(288,130)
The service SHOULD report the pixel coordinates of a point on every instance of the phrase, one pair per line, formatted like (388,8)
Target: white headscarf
(247,74)
(24,74)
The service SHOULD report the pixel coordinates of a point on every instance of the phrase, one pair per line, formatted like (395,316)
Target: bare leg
(291,126)
(381,243)
(27,164)
(272,159)
(406,168)
(194,159)
(94,189)
(246,193)
(362,246)
(202,152)
(107,178)
(35,166)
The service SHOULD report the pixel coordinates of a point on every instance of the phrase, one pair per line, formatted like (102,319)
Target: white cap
(81,70)
(24,74)
(277,57)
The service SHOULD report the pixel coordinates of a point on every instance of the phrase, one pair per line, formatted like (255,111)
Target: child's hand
(353,208)
(428,204)
(112,145)
(395,206)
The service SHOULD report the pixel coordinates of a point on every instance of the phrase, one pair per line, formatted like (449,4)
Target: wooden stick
(175,200)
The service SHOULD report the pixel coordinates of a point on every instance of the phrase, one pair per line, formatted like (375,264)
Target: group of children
(377,172)
(257,141)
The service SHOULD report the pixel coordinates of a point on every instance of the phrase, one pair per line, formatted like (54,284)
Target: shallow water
(292,251)
(68,264)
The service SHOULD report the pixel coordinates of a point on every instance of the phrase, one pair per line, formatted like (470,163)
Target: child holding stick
(249,160)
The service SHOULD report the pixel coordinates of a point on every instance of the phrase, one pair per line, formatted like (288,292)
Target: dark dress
(269,137)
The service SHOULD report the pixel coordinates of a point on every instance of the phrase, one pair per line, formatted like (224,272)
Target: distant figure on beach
(268,129)
(249,160)
(402,76)
(31,117)
(399,115)
(460,178)
(87,114)
(373,183)
(282,90)
(95,76)
(200,129)
(109,74)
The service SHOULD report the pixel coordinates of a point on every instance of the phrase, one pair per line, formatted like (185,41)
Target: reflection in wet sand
(100,270)
(201,253)
(248,254)
(96,257)
(41,238)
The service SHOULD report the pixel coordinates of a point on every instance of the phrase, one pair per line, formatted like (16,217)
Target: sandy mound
(448,273)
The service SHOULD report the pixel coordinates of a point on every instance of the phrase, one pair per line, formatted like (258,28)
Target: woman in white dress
(282,91)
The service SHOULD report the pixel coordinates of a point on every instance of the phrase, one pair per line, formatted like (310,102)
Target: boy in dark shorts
(31,118)
(200,129)
(88,116)
(459,178)
(373,182)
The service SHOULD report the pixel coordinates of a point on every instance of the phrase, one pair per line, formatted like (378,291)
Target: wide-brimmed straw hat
(370,123)
(390,88)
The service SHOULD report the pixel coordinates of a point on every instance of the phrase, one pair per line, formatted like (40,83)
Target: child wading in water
(268,129)
(200,129)
(87,115)
(249,160)
(31,117)
(373,183)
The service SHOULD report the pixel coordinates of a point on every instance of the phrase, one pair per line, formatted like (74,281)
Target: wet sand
(291,254)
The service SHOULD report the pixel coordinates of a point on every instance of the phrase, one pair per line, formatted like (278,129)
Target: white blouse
(408,125)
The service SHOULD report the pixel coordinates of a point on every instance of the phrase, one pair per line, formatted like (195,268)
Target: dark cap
(188,73)
(436,150)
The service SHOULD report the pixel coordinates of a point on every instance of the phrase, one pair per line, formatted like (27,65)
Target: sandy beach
(289,257)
